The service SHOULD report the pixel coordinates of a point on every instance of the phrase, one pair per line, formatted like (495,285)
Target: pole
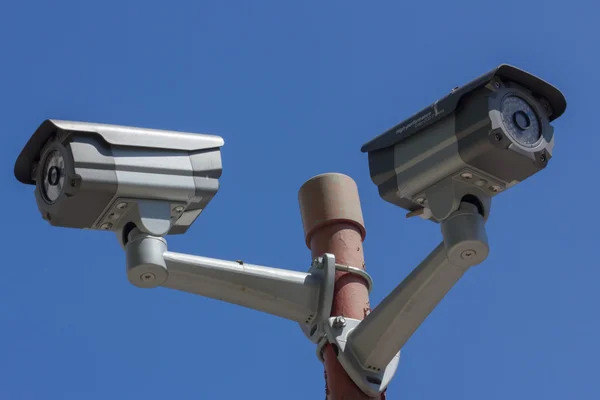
(333,223)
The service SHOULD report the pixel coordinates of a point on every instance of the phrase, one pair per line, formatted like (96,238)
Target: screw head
(420,201)
(147,277)
(122,206)
(466,175)
(113,216)
(339,322)
(543,158)
(317,262)
(497,137)
(468,254)
(106,226)
(497,85)
(178,209)
(496,188)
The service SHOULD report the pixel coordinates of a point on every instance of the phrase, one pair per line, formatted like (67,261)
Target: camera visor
(521,121)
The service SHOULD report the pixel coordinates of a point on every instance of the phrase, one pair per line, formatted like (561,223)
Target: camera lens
(520,121)
(54,177)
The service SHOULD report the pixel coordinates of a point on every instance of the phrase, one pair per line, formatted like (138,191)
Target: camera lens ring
(52,175)
(521,120)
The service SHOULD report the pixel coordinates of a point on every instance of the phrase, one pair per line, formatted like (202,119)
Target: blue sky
(295,89)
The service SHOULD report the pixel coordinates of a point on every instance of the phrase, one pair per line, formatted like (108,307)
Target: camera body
(108,177)
(476,142)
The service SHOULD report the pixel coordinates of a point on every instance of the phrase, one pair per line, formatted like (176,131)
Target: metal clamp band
(358,271)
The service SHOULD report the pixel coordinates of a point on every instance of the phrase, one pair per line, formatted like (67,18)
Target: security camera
(476,142)
(108,177)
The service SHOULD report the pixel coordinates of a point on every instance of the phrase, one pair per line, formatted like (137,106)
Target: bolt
(497,85)
(496,188)
(317,262)
(339,322)
(178,209)
(106,226)
(121,206)
(468,254)
(147,277)
(420,201)
(543,158)
(467,175)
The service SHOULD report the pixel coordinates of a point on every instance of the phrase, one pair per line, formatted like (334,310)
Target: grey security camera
(476,142)
(108,177)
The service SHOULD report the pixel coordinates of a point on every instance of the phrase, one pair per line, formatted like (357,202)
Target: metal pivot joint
(369,350)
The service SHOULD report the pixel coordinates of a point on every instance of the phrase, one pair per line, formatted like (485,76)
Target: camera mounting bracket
(298,296)
(369,350)
(446,196)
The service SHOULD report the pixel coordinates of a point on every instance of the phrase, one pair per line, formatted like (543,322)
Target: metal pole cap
(329,198)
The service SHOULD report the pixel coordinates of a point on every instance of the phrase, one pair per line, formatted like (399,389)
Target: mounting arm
(298,296)
(369,350)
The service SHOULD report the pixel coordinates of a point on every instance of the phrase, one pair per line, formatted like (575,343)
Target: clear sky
(295,89)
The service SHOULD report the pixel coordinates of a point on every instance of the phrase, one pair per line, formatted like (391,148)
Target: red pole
(333,223)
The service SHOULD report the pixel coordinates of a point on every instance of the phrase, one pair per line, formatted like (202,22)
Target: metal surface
(371,380)
(360,272)
(488,144)
(378,339)
(113,135)
(333,223)
(323,269)
(288,294)
(327,199)
(448,104)
(146,267)
(302,297)
(111,177)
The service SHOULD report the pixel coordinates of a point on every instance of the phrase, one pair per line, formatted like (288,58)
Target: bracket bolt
(496,188)
(106,226)
(147,277)
(468,254)
(466,175)
(178,209)
(121,206)
(339,322)
(317,262)
(420,201)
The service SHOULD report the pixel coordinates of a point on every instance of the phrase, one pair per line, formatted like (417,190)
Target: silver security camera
(108,177)
(476,142)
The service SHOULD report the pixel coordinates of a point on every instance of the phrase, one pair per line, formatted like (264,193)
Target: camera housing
(109,177)
(474,143)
